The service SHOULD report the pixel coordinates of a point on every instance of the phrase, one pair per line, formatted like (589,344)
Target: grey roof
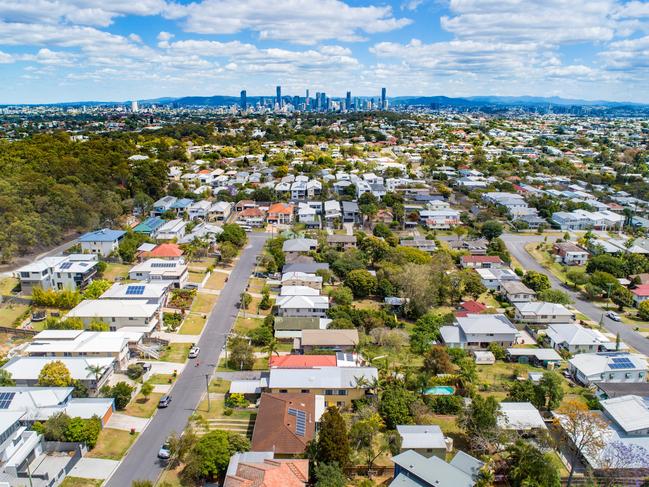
(299,245)
(421,436)
(466,463)
(308,267)
(434,471)
(516,287)
(497,323)
(539,353)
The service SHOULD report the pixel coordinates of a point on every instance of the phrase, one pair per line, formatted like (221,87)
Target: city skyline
(71,50)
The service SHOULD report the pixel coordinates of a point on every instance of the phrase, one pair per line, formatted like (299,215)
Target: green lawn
(9,314)
(203,303)
(244,325)
(176,352)
(112,444)
(220,385)
(116,270)
(171,478)
(7,285)
(254,307)
(261,363)
(193,325)
(370,304)
(196,277)
(544,258)
(497,376)
(216,410)
(256,284)
(160,379)
(79,482)
(216,280)
(141,407)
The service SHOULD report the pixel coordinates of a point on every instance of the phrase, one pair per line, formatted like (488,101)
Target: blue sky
(65,50)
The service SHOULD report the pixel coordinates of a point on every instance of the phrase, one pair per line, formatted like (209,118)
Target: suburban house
(334,340)
(172,272)
(153,292)
(542,313)
(172,230)
(427,440)
(332,212)
(351,212)
(339,385)
(424,244)
(253,217)
(584,220)
(341,242)
(481,261)
(478,331)
(631,413)
(101,242)
(220,211)
(72,272)
(286,422)
(132,314)
(162,205)
(149,226)
(575,338)
(298,246)
(199,209)
(80,343)
(493,278)
(516,292)
(302,306)
(640,293)
(303,361)
(302,279)
(412,469)
(25,370)
(280,214)
(19,446)
(289,328)
(569,253)
(439,219)
(539,357)
(520,416)
(267,472)
(590,368)
(170,251)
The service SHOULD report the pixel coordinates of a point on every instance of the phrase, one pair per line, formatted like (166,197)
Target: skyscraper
(317,101)
(323,101)
(279,97)
(244,100)
(307,101)
(134,106)
(348,101)
(384,100)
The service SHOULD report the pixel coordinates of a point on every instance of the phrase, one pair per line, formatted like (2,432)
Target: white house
(520,416)
(71,272)
(427,440)
(101,242)
(132,314)
(589,368)
(302,306)
(575,338)
(542,313)
(165,271)
(478,331)
(172,230)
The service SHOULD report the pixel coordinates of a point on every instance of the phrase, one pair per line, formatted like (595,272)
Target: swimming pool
(440,391)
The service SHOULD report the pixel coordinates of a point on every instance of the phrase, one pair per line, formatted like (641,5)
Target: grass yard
(196,277)
(497,376)
(216,410)
(7,285)
(193,325)
(256,284)
(79,482)
(261,363)
(369,304)
(203,303)
(10,314)
(176,352)
(171,478)
(219,385)
(112,444)
(160,379)
(244,325)
(254,307)
(142,408)
(113,271)
(216,280)
(544,258)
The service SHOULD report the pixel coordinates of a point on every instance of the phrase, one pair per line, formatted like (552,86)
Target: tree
(554,296)
(536,281)
(96,370)
(234,234)
(425,331)
(549,391)
(529,467)
(491,229)
(81,430)
(365,435)
(54,374)
(437,361)
(209,457)
(361,282)
(180,445)
(622,297)
(241,354)
(329,475)
(643,310)
(228,252)
(99,326)
(121,392)
(333,441)
(141,483)
(394,406)
(146,390)
(342,296)
(272,348)
(480,421)
(55,427)
(472,283)
(577,276)
(497,350)
(96,288)
(583,428)
(6,380)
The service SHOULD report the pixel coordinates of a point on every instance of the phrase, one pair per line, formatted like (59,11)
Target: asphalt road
(516,245)
(142,463)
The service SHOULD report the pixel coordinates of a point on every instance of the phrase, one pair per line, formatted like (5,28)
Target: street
(516,246)
(142,463)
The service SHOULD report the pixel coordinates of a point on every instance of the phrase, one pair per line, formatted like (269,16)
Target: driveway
(516,245)
(141,462)
(125,422)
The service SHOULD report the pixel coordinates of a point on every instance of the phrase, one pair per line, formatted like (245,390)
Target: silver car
(194,351)
(164,453)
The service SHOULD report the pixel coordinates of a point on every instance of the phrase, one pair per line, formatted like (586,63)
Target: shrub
(227,411)
(172,320)
(134,371)
(236,401)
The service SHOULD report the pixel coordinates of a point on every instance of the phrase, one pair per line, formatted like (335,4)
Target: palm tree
(96,370)
(272,348)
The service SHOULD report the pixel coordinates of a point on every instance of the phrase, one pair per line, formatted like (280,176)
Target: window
(305,391)
(329,392)
(283,391)
(342,392)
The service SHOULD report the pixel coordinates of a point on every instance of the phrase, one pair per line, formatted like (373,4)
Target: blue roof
(182,203)
(103,235)
(149,225)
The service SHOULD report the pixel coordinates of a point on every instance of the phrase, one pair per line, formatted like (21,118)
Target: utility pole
(207,388)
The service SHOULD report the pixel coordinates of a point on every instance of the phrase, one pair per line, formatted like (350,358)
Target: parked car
(164,452)
(194,351)
(164,401)
(613,316)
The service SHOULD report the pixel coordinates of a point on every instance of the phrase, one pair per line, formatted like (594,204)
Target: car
(164,401)
(191,285)
(613,316)
(194,351)
(164,453)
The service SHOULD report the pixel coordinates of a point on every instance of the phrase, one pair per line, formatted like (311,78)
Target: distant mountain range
(438,101)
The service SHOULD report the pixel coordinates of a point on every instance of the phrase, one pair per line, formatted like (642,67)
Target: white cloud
(299,21)
(5,58)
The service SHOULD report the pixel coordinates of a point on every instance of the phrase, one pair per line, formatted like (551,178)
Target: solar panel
(618,360)
(135,290)
(5,399)
(163,264)
(66,265)
(300,421)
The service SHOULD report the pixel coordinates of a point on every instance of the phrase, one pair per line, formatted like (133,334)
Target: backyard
(114,271)
(11,314)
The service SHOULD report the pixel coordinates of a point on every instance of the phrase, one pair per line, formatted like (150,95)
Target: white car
(614,316)
(193,353)
(164,452)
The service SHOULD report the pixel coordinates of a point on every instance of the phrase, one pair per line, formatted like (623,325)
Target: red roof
(481,259)
(166,250)
(641,291)
(204,171)
(302,361)
(473,307)
(281,208)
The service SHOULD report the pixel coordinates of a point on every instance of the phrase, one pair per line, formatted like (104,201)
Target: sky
(120,50)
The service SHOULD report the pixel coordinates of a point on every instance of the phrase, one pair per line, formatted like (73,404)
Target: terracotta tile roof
(281,208)
(270,473)
(303,361)
(166,250)
(275,428)
(251,212)
(473,306)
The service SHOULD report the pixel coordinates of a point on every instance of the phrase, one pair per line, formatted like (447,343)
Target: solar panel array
(621,363)
(135,290)
(163,264)
(5,399)
(300,421)
(66,265)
